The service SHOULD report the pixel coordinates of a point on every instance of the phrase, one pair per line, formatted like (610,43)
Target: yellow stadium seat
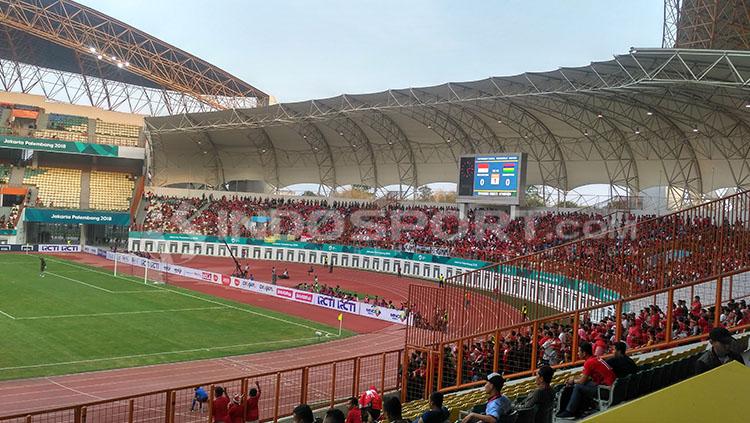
(110,190)
(57,187)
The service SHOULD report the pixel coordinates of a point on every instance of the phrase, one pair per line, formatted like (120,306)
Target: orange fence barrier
(320,385)
(624,260)
(140,186)
(517,350)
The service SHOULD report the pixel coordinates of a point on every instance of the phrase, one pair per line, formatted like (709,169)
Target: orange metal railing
(655,253)
(450,365)
(319,385)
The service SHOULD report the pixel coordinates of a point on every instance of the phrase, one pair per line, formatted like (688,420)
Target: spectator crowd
(642,328)
(638,254)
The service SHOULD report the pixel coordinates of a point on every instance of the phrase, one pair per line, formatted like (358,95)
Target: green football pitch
(79,318)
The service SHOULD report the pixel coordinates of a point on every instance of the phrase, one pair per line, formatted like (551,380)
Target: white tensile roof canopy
(652,117)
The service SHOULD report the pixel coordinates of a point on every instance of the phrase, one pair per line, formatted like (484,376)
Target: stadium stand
(67,127)
(203,218)
(110,190)
(656,371)
(628,257)
(57,187)
(67,123)
(4,173)
(9,221)
(64,127)
(476,356)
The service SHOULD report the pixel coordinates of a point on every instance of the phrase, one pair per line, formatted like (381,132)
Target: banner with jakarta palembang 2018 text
(58,146)
(77,217)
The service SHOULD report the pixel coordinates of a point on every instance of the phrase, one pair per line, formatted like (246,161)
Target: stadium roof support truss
(706,24)
(267,153)
(113,53)
(673,108)
(92,91)
(400,150)
(362,151)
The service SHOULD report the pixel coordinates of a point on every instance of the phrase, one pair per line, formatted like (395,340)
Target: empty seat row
(116,140)
(52,134)
(110,190)
(57,187)
(118,129)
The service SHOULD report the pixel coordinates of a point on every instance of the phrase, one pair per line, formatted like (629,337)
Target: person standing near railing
(252,413)
(220,406)
(235,413)
(200,397)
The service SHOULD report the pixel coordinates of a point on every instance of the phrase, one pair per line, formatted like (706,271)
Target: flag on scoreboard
(483,168)
(509,167)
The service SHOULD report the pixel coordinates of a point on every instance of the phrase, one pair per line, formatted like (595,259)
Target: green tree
(424,193)
(357,192)
(567,204)
(533,197)
(444,196)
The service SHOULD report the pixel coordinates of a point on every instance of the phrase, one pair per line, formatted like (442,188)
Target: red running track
(29,395)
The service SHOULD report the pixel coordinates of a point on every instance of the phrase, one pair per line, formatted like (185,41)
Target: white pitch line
(7,315)
(328,334)
(118,313)
(81,282)
(124,357)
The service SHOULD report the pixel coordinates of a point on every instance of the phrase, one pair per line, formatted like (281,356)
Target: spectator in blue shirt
(498,405)
(437,413)
(200,397)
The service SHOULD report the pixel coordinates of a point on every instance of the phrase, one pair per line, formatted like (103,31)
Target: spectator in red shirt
(595,372)
(251,405)
(681,310)
(695,306)
(354,415)
(220,406)
(371,403)
(236,410)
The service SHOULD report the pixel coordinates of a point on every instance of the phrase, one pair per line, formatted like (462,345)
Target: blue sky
(298,50)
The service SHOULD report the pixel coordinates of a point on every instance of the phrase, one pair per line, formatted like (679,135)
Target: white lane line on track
(94,360)
(145,370)
(120,313)
(72,389)
(185,294)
